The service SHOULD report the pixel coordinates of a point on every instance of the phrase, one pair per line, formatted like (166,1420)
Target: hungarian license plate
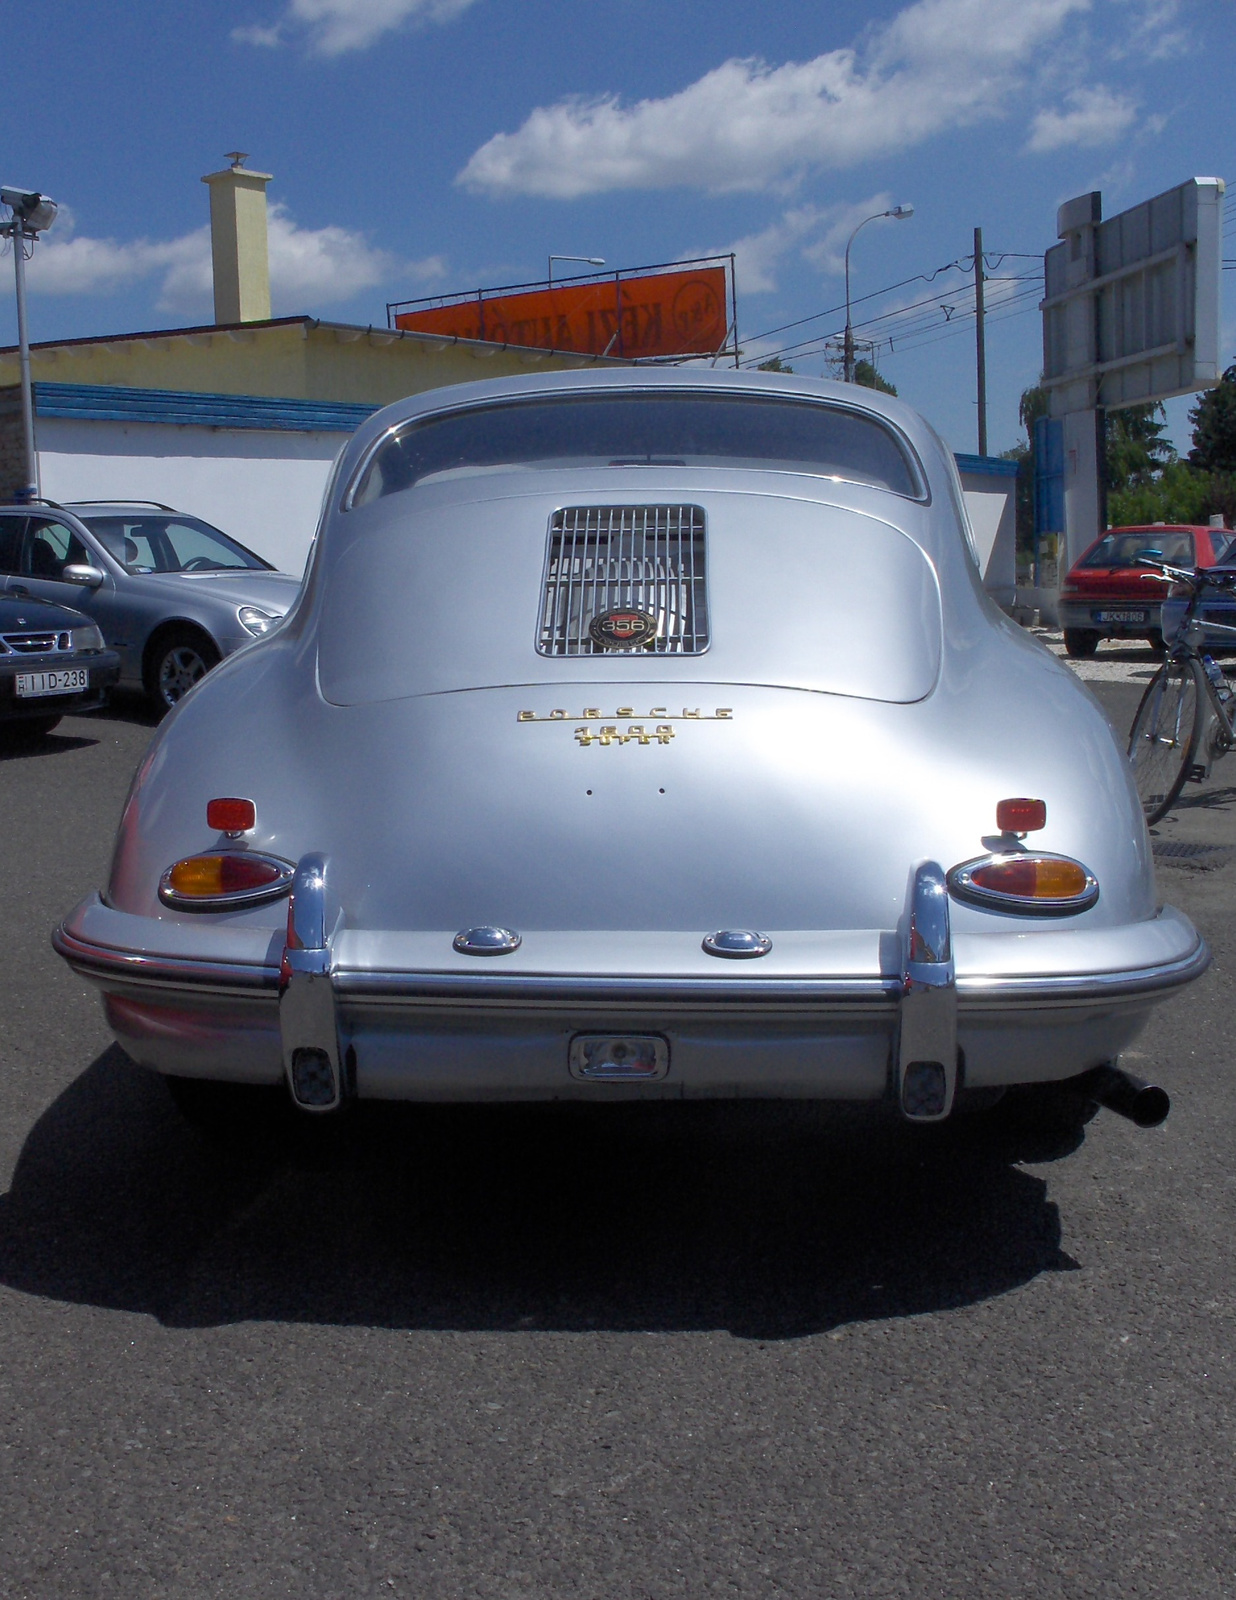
(1121,616)
(65,681)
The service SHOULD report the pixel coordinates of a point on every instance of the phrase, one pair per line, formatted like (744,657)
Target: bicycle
(1185,719)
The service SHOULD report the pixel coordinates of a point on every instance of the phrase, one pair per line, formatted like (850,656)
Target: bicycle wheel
(1165,734)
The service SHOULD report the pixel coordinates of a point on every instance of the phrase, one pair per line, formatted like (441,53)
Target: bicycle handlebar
(1195,578)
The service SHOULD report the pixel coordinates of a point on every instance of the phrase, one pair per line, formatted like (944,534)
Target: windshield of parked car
(1127,549)
(171,544)
(646,429)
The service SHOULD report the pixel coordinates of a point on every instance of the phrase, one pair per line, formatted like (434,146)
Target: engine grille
(645,558)
(34,644)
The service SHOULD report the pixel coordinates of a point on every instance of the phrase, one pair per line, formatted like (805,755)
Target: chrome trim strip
(105,961)
(976,992)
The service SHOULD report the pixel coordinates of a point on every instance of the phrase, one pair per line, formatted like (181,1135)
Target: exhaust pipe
(1142,1103)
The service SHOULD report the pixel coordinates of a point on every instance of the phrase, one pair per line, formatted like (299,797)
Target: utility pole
(29,214)
(980,341)
(30,488)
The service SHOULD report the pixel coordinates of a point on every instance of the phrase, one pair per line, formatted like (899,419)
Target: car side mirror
(78,572)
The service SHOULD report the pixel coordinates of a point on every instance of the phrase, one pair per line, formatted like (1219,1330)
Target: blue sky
(421,146)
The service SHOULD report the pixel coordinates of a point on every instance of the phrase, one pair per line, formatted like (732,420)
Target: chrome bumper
(305,1006)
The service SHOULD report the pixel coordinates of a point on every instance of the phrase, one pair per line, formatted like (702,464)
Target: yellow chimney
(238,243)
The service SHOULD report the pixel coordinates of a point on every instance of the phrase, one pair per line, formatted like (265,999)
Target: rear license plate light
(618,1057)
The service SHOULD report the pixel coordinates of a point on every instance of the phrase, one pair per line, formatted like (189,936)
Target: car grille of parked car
(34,644)
(645,558)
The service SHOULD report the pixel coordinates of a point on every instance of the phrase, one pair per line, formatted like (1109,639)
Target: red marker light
(1021,816)
(231,816)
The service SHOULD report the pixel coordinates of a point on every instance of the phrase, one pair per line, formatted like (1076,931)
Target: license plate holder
(57,680)
(618,1057)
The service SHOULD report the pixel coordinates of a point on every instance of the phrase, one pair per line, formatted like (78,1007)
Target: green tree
(773,364)
(1179,494)
(1214,427)
(866,374)
(1136,451)
(1031,407)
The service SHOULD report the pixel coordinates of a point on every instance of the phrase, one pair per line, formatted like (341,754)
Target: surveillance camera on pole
(30,213)
(36,212)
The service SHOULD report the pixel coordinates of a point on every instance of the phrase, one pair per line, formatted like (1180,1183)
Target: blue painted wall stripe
(989,466)
(112,403)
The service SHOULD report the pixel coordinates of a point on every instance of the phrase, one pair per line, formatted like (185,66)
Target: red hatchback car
(1109,595)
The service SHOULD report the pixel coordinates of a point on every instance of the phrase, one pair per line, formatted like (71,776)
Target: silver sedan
(172,594)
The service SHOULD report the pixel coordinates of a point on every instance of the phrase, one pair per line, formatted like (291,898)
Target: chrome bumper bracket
(308,1019)
(926,1062)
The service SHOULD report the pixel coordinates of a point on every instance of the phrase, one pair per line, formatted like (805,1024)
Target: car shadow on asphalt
(128,705)
(773,1221)
(47,744)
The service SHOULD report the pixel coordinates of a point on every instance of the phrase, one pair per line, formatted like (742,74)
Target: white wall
(991,505)
(263,487)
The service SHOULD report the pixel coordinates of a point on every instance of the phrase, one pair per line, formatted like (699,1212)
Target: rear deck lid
(744,588)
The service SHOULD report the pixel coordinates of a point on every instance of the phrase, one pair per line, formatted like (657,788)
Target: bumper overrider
(914,1014)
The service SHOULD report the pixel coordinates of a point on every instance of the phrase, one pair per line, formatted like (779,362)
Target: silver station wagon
(171,593)
(639,735)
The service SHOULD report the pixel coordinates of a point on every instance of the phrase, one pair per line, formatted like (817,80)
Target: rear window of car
(1127,549)
(644,430)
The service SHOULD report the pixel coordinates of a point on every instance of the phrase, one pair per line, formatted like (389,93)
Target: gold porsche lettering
(592,714)
(594,726)
(636,733)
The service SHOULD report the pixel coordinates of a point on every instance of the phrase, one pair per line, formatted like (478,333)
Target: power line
(920,323)
(855,300)
(906,339)
(919,343)
(899,311)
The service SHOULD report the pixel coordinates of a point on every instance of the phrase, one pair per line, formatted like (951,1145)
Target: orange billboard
(661,314)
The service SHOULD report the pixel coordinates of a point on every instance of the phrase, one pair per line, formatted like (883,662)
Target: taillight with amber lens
(225,881)
(1034,885)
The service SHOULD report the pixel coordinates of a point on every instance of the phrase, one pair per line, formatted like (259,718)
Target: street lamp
(589,261)
(30,214)
(901,213)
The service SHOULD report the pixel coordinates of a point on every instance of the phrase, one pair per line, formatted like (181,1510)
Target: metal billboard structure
(672,311)
(1131,310)
(1130,317)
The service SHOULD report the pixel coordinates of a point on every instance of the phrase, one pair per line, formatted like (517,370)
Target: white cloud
(757,255)
(1153,32)
(747,125)
(1094,116)
(818,233)
(309,267)
(334,27)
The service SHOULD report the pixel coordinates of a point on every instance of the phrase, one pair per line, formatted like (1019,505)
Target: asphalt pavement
(506,1353)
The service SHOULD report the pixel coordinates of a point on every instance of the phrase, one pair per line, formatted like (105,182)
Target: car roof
(119,507)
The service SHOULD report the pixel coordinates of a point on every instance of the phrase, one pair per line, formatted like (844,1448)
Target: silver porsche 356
(641,734)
